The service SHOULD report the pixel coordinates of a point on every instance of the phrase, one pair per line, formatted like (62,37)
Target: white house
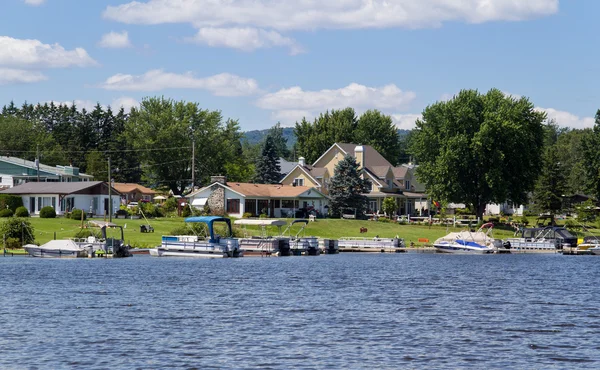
(235,198)
(89,196)
(16,171)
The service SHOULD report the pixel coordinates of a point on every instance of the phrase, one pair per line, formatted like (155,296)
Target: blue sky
(263,61)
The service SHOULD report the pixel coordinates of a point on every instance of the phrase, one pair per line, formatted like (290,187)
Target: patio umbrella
(160,197)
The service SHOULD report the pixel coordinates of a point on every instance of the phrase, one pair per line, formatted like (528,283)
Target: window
(407,185)
(45,202)
(370,186)
(287,203)
(233,206)
(299,182)
(389,183)
(276,203)
(373,206)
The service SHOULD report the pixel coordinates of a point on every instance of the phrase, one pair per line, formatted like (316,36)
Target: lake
(348,311)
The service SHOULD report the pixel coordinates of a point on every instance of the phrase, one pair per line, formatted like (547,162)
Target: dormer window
(299,182)
(407,185)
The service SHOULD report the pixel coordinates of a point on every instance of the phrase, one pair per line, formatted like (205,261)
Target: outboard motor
(506,245)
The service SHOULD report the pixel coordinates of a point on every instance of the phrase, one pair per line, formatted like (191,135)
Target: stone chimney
(359,153)
(302,161)
(220,179)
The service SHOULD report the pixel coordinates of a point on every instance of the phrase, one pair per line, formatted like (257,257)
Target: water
(350,311)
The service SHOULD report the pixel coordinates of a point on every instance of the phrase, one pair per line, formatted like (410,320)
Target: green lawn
(45,230)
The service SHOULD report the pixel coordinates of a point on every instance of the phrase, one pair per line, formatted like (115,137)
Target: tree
(268,170)
(591,157)
(380,132)
(551,185)
(347,188)
(389,206)
(479,148)
(280,142)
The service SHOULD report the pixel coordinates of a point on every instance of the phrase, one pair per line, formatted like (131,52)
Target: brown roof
(400,172)
(317,171)
(379,171)
(372,156)
(265,190)
(129,187)
(61,188)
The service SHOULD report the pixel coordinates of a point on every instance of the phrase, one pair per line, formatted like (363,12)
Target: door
(31,205)
(106,210)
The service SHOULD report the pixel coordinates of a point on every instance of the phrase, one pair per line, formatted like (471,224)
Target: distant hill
(257,136)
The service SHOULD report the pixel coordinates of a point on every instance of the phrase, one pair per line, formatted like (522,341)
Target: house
(131,192)
(387,181)
(236,198)
(16,171)
(90,196)
(285,166)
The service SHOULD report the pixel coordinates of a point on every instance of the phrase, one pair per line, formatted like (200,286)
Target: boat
(469,242)
(300,244)
(64,248)
(83,247)
(374,245)
(210,246)
(547,239)
(263,245)
(591,244)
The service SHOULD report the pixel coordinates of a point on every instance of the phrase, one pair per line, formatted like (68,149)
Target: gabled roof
(307,171)
(373,177)
(317,172)
(400,172)
(263,190)
(129,187)
(380,171)
(60,188)
(285,166)
(58,170)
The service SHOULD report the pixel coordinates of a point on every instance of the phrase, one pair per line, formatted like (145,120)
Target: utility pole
(37,162)
(193,164)
(109,193)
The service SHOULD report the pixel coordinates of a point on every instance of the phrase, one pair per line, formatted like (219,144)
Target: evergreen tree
(591,159)
(280,142)
(268,170)
(551,184)
(347,188)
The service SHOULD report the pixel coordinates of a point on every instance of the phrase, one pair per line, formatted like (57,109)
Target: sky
(268,61)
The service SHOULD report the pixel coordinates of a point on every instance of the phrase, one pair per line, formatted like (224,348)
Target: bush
(21,212)
(76,214)
(247,215)
(14,243)
(191,229)
(524,220)
(11,202)
(122,212)
(17,228)
(170,205)
(47,212)
(84,233)
(6,213)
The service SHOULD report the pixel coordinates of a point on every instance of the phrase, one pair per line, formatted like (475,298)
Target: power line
(102,151)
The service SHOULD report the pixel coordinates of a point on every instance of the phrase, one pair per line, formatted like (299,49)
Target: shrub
(76,214)
(21,212)
(14,243)
(191,229)
(187,211)
(524,220)
(47,212)
(6,213)
(247,215)
(170,205)
(122,212)
(11,202)
(17,228)
(84,233)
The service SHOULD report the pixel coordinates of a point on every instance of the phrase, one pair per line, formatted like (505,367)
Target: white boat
(590,244)
(214,246)
(374,245)
(595,251)
(548,239)
(111,246)
(468,242)
(263,245)
(300,244)
(59,249)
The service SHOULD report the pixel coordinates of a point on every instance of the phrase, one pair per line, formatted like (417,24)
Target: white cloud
(115,40)
(34,54)
(353,95)
(223,84)
(566,119)
(246,39)
(19,76)
(126,102)
(405,121)
(289,117)
(310,14)
(34,2)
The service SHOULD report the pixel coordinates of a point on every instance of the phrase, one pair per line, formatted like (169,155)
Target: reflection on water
(345,311)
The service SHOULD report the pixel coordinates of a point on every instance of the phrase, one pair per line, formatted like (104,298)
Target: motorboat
(591,244)
(83,247)
(547,239)
(373,245)
(300,244)
(263,245)
(211,245)
(64,248)
(469,242)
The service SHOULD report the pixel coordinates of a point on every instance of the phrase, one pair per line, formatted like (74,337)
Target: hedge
(12,201)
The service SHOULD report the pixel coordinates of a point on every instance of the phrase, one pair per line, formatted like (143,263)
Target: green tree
(347,188)
(389,206)
(479,148)
(380,132)
(268,170)
(280,142)
(591,158)
(551,184)
(586,211)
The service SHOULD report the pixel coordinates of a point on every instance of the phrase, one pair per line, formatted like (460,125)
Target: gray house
(89,196)
(16,171)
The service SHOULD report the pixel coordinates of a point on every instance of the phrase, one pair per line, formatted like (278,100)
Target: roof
(318,171)
(129,187)
(410,194)
(400,172)
(372,156)
(285,166)
(62,188)
(58,170)
(269,190)
(380,171)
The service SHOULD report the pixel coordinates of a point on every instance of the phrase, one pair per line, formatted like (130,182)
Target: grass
(47,229)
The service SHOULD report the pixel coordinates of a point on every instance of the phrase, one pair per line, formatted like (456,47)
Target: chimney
(302,161)
(219,179)
(359,153)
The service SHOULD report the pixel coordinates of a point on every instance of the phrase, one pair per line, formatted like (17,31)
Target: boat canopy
(300,220)
(210,220)
(592,239)
(262,222)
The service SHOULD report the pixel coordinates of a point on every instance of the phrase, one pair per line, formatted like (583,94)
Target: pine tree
(347,188)
(551,184)
(268,170)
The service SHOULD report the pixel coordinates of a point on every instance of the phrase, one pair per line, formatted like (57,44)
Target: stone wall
(216,201)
